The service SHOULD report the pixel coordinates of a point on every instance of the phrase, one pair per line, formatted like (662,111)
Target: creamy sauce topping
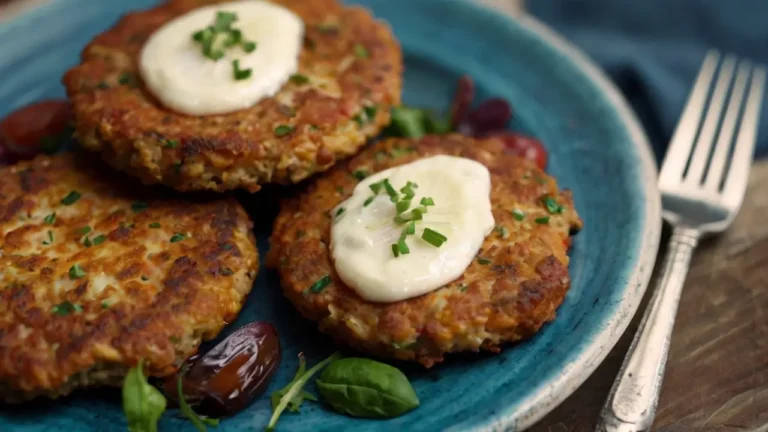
(364,237)
(178,72)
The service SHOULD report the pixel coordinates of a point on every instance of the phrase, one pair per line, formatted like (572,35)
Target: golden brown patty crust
(353,65)
(98,273)
(519,278)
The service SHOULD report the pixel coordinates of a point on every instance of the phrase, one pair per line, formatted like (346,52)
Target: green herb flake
(50,219)
(105,305)
(433,237)
(249,46)
(359,174)
(402,206)
(84,230)
(299,79)
(144,278)
(395,250)
(139,206)
(66,308)
(128,79)
(155,225)
(291,396)
(542,220)
(502,231)
(171,143)
(340,211)
(320,284)
(240,74)
(283,130)
(71,198)
(99,239)
(360,51)
(463,287)
(87,242)
(224,20)
(483,261)
(177,237)
(551,204)
(76,272)
(518,214)
(49,240)
(368,201)
(427,201)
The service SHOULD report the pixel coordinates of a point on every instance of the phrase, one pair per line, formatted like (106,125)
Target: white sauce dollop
(361,237)
(175,70)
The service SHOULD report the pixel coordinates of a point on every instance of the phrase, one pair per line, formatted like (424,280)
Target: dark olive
(232,374)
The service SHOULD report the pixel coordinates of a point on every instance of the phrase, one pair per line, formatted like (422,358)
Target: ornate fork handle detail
(635,393)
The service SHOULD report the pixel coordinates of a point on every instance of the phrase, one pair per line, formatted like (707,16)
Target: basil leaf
(366,388)
(143,404)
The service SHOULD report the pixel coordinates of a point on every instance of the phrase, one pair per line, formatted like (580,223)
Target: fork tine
(738,173)
(727,130)
(711,121)
(685,133)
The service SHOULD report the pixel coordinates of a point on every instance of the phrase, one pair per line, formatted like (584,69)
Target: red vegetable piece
(524,146)
(490,116)
(232,374)
(22,132)
(462,100)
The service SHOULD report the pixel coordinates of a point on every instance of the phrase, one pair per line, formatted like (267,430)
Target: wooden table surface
(717,374)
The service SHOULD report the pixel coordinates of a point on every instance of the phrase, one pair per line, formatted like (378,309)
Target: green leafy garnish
(177,237)
(198,421)
(171,143)
(360,51)
(143,404)
(552,206)
(84,230)
(542,220)
(155,225)
(320,284)
(340,211)
(240,74)
(299,79)
(71,198)
(433,237)
(128,79)
(359,174)
(368,201)
(283,130)
(291,396)
(518,214)
(87,242)
(76,272)
(402,206)
(50,219)
(66,308)
(99,239)
(483,261)
(408,122)
(427,201)
(249,46)
(503,232)
(49,240)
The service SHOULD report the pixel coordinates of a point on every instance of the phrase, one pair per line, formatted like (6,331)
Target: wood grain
(717,373)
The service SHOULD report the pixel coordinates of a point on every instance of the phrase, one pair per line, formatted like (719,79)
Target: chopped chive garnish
(224,20)
(395,250)
(249,46)
(417,214)
(155,225)
(370,111)
(503,232)
(128,79)
(433,237)
(360,51)
(240,74)
(144,278)
(542,220)
(427,201)
(84,230)
(552,206)
(411,228)
(463,287)
(233,38)
(87,242)
(50,219)
(178,237)
(339,211)
(105,305)
(359,174)
(171,143)
(139,206)
(390,190)
(402,247)
(518,214)
(376,187)
(399,219)
(76,272)
(66,308)
(299,79)
(320,285)
(402,206)
(483,261)
(368,201)
(99,239)
(283,130)
(50,238)
(71,198)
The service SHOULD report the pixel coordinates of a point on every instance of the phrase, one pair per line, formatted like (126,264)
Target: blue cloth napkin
(652,49)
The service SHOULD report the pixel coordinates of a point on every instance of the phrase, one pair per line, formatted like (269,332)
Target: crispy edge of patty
(163,298)
(507,294)
(330,115)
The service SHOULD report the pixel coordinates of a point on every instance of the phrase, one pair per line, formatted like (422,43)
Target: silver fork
(701,194)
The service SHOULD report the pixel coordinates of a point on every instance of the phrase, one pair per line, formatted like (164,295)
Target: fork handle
(631,405)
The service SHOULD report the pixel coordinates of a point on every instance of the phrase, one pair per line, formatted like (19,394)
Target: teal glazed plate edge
(597,149)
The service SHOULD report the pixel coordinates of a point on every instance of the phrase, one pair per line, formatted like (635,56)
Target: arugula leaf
(292,396)
(190,414)
(143,404)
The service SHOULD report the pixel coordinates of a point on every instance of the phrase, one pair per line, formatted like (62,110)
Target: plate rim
(544,400)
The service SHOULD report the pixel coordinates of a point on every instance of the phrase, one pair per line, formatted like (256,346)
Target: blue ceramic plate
(596,148)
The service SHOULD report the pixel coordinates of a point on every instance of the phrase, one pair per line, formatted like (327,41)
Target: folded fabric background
(652,49)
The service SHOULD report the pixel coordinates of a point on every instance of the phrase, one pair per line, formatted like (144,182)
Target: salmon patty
(98,273)
(350,72)
(518,279)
